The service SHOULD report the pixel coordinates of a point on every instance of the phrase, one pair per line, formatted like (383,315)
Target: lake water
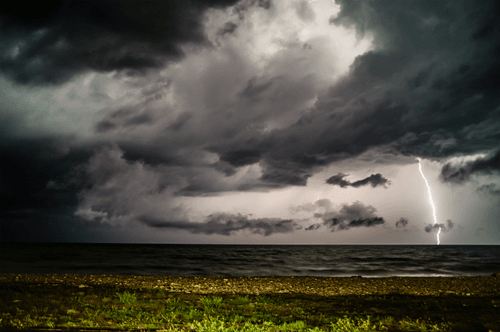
(251,260)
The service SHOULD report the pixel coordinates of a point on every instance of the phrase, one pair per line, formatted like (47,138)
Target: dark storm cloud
(225,167)
(104,126)
(435,227)
(429,87)
(256,87)
(348,216)
(401,223)
(338,180)
(241,157)
(181,121)
(51,41)
(341,225)
(374,179)
(228,28)
(40,176)
(227,224)
(462,173)
(313,227)
(123,120)
(364,222)
(285,173)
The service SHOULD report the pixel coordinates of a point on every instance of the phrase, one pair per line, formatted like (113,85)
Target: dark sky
(250,121)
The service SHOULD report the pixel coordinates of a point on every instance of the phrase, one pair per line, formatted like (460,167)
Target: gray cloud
(348,216)
(228,28)
(489,189)
(398,89)
(354,223)
(374,179)
(40,178)
(241,157)
(402,223)
(428,87)
(462,173)
(435,227)
(284,173)
(255,89)
(120,190)
(391,99)
(227,224)
(304,11)
(56,40)
(339,180)
(345,225)
(124,118)
(313,227)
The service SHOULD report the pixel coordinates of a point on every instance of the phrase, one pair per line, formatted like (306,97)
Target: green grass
(127,298)
(191,312)
(211,304)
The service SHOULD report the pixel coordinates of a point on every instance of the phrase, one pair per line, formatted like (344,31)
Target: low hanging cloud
(323,204)
(227,224)
(121,192)
(402,223)
(348,216)
(374,180)
(435,227)
(462,173)
(491,189)
(344,225)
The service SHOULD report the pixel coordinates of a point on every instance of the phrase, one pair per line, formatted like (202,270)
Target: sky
(250,122)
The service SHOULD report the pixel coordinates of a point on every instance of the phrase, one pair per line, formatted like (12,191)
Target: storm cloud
(435,227)
(374,180)
(40,175)
(344,225)
(489,189)
(226,224)
(114,112)
(55,40)
(462,173)
(396,97)
(347,216)
(402,223)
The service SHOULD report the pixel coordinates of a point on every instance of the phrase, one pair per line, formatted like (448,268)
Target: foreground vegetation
(167,303)
(185,312)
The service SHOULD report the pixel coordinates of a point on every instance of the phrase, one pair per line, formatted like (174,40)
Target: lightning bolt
(430,198)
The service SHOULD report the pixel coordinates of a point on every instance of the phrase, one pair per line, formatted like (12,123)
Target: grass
(152,310)
(127,298)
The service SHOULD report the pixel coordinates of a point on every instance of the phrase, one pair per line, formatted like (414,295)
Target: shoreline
(319,286)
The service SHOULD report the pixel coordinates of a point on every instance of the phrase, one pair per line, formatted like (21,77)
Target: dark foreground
(126,302)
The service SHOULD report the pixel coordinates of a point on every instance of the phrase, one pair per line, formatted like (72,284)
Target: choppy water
(250,260)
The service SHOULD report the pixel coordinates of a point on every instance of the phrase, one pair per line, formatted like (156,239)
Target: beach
(469,303)
(319,286)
